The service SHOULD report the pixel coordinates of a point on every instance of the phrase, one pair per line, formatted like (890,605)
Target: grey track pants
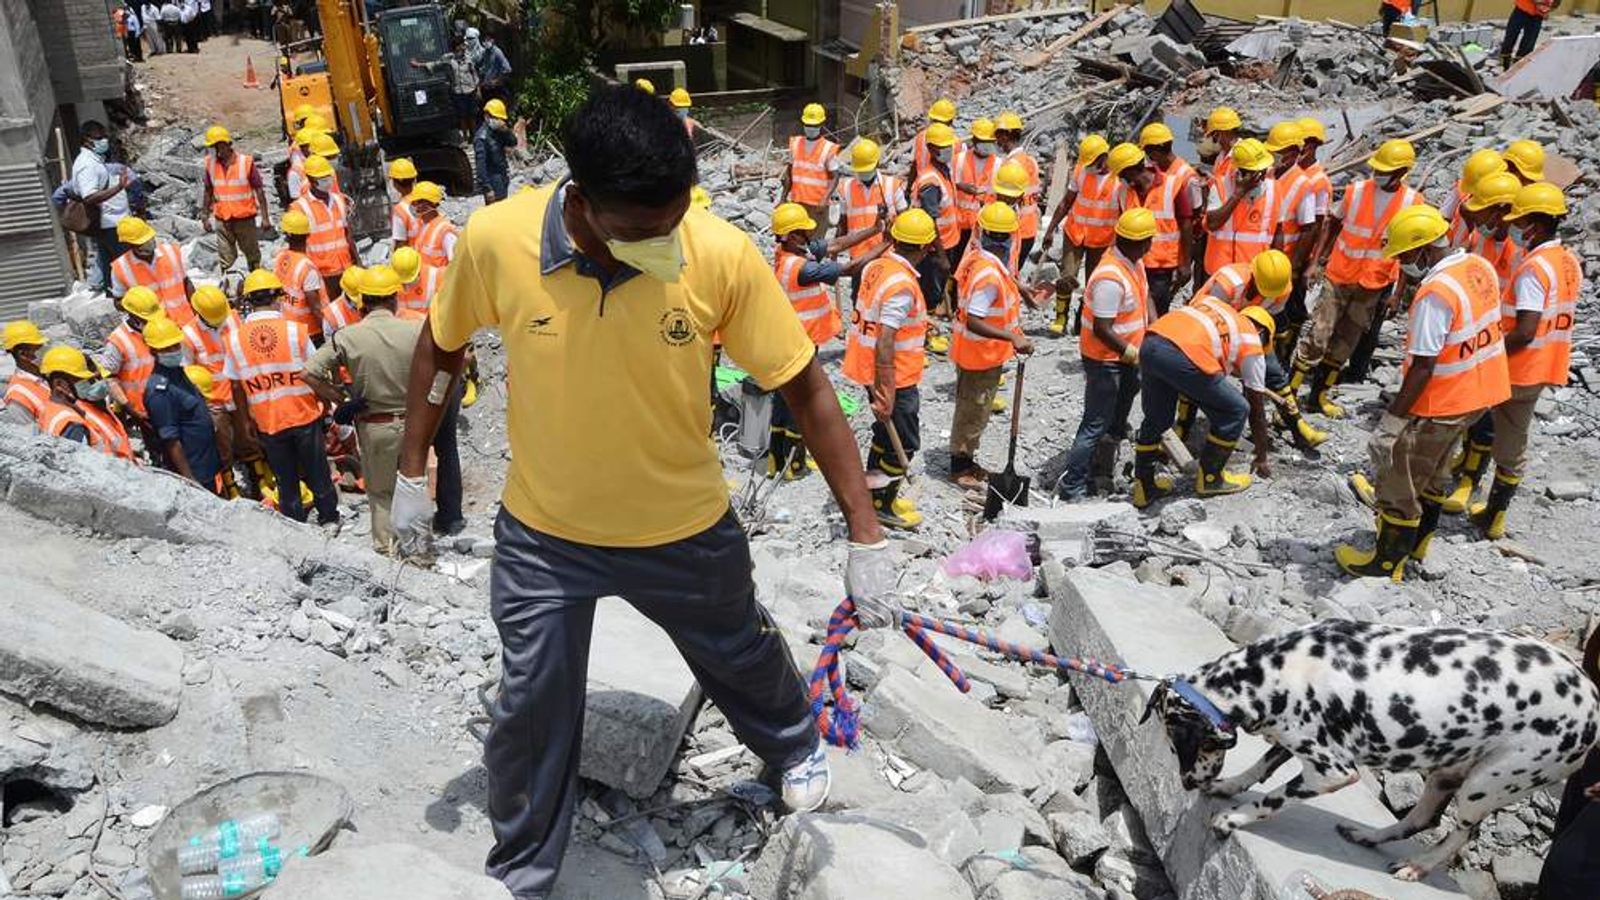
(542,596)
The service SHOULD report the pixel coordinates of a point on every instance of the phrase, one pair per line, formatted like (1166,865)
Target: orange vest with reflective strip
(431,237)
(418,295)
(294,269)
(947,220)
(809,169)
(55,418)
(208,347)
(340,313)
(1246,232)
(1227,284)
(1092,220)
(1214,336)
(137,364)
(1292,189)
(811,302)
(974,352)
(861,202)
(1460,233)
(232,197)
(328,244)
(1028,213)
(106,433)
(1317,180)
(1503,254)
(1470,372)
(267,352)
(28,391)
(1357,256)
(1133,316)
(922,160)
(1166,249)
(975,246)
(1547,358)
(164,275)
(300,182)
(977,171)
(884,277)
(400,214)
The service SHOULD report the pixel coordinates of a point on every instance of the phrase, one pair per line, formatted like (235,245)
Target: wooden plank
(1060,178)
(997,17)
(1471,108)
(1039,57)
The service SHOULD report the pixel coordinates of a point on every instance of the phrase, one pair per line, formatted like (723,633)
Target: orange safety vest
(1546,359)
(328,245)
(1292,189)
(971,351)
(137,364)
(884,277)
(1357,256)
(300,182)
(1214,336)
(1133,316)
(1539,8)
(1028,213)
(922,160)
(268,355)
(1460,234)
(294,269)
(54,419)
(28,391)
(106,433)
(430,240)
(975,246)
(1166,249)
(1092,220)
(208,348)
(418,295)
(810,169)
(1470,372)
(977,171)
(947,220)
(1227,284)
(401,215)
(1503,254)
(338,313)
(1319,182)
(164,275)
(231,194)
(810,301)
(861,202)
(1248,231)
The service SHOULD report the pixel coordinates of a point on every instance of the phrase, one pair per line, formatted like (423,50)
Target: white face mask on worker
(323,184)
(812,132)
(658,257)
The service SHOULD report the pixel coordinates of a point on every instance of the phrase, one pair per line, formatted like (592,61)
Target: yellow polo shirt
(609,409)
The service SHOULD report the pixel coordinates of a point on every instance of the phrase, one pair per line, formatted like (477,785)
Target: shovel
(1008,486)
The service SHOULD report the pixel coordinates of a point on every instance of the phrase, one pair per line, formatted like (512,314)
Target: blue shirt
(489,147)
(493,67)
(819,269)
(179,413)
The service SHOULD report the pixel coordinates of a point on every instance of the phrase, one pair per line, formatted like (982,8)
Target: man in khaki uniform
(377,353)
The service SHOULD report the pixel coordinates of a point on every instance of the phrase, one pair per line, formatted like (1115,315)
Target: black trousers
(1572,868)
(1522,31)
(133,48)
(296,455)
(1162,285)
(907,419)
(447,452)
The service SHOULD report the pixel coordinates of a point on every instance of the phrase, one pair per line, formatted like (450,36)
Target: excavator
(357,75)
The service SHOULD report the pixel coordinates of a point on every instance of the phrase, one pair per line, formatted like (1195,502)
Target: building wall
(83,54)
(25,89)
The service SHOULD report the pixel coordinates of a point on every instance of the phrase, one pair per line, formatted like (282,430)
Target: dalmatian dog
(1486,716)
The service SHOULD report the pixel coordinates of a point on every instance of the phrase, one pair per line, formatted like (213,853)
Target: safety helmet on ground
(307,134)
(1493,189)
(161,332)
(403,169)
(318,167)
(496,108)
(64,360)
(350,281)
(426,190)
(210,303)
(301,112)
(679,98)
(914,226)
(22,333)
(1393,156)
(1313,129)
(261,280)
(1251,155)
(1539,197)
(1155,134)
(1223,118)
(813,114)
(1011,179)
(998,218)
(1272,273)
(864,155)
(407,263)
(134,231)
(1122,156)
(1527,157)
(943,110)
(1482,162)
(216,134)
(791,217)
(941,135)
(1263,319)
(983,130)
(200,377)
(1413,227)
(1284,136)
(141,303)
(295,222)
(1008,121)
(646,85)
(1091,148)
(325,146)
(380,281)
(1136,224)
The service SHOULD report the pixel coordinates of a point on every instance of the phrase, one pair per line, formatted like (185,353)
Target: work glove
(411,515)
(1381,446)
(869,577)
(1130,354)
(347,412)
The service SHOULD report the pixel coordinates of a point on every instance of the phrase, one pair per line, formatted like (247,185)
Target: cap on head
(1251,155)
(679,98)
(407,263)
(325,146)
(1091,148)
(1285,135)
(1273,274)
(1136,224)
(915,227)
(161,332)
(295,222)
(1008,121)
(307,134)
(301,112)
(318,167)
(141,303)
(496,108)
(403,170)
(200,377)
(1413,227)
(998,218)
(1313,129)
(316,122)
(943,110)
(1493,189)
(791,217)
(1527,158)
(1223,118)
(1123,156)
(1011,179)
(22,333)
(1263,320)
(210,304)
(134,231)
(1393,156)
(983,130)
(646,85)
(216,134)
(941,135)
(1155,134)
(864,156)
(1539,197)
(380,281)
(1482,162)
(261,280)
(350,281)
(813,114)
(428,191)
(64,360)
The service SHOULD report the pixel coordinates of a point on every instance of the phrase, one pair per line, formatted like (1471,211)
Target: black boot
(1322,381)
(1103,465)
(1214,479)
(1490,516)
(1387,558)
(777,452)
(1426,526)
(1148,487)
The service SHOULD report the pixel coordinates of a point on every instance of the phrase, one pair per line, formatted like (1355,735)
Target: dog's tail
(1591,656)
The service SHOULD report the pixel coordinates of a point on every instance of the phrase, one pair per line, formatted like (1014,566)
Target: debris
(148,817)
(381,872)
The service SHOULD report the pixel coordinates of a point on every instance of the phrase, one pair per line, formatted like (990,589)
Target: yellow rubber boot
(1058,327)
(1474,460)
(1426,526)
(894,512)
(1490,516)
(1148,487)
(1363,489)
(1297,379)
(1303,433)
(1324,379)
(1387,558)
(938,343)
(1214,479)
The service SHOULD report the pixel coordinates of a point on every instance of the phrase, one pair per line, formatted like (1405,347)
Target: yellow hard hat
(497,108)
(1091,148)
(791,217)
(403,169)
(1313,129)
(134,231)
(325,146)
(350,281)
(1223,118)
(943,110)
(998,218)
(318,167)
(1527,157)
(216,134)
(200,377)
(1539,197)
(1122,156)
(646,85)
(307,134)
(1285,135)
(315,122)
(295,222)
(407,263)
(1011,179)
(210,304)
(1154,134)
(941,135)
(380,281)
(864,155)
(301,112)
(64,360)
(1493,189)
(1393,156)
(698,196)
(161,332)
(1008,121)
(141,302)
(914,226)
(679,98)
(426,190)
(1260,316)
(22,333)
(1272,273)
(1480,163)
(1413,227)
(261,280)
(983,130)
(1251,155)
(1136,224)
(813,114)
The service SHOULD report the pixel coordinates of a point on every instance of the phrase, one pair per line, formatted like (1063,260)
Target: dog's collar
(1198,700)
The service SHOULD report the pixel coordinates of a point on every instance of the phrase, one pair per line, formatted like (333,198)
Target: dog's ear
(1157,702)
(1186,740)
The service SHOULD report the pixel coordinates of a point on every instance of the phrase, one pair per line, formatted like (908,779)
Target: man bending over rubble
(606,289)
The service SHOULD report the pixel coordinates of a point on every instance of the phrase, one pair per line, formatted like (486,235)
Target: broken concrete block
(1069,521)
(1567,490)
(381,872)
(1039,874)
(822,857)
(91,316)
(933,725)
(74,659)
(1079,836)
(943,826)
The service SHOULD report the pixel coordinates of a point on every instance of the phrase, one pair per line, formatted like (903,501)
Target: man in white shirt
(150,18)
(93,183)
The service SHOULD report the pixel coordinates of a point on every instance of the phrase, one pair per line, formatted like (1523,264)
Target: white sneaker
(805,784)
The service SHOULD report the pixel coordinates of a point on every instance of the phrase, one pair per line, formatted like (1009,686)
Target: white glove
(869,576)
(411,511)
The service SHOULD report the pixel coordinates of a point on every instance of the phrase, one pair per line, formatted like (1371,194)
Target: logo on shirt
(540,327)
(677,328)
(263,340)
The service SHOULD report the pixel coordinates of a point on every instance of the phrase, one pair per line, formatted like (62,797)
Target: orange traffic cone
(250,73)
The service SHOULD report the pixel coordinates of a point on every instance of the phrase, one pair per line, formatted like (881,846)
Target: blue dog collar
(1198,700)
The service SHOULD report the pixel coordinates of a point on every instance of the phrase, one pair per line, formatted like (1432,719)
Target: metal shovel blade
(1005,487)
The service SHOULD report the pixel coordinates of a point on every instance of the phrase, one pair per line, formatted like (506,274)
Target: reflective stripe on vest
(884,277)
(1227,284)
(1292,188)
(808,169)
(1211,334)
(267,352)
(328,245)
(418,295)
(231,194)
(972,351)
(55,418)
(1028,213)
(1357,256)
(811,302)
(1470,372)
(106,433)
(1133,315)
(946,220)
(1166,249)
(164,275)
(977,171)
(293,270)
(206,346)
(430,241)
(400,214)
(1092,220)
(137,364)
(861,202)
(28,391)
(1503,254)
(338,314)
(1547,358)
(1247,231)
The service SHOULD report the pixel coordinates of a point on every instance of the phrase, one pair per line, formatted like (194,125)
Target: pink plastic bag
(993,554)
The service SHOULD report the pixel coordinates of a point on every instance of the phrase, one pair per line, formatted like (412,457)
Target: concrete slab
(1151,629)
(381,872)
(933,725)
(825,857)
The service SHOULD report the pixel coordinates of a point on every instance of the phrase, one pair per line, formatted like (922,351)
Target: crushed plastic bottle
(216,887)
(227,840)
(267,862)
(1302,885)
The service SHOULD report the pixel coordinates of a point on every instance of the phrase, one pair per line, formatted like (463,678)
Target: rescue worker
(106,431)
(1484,161)
(26,391)
(942,112)
(296,178)
(206,341)
(1010,188)
(1319,189)
(871,198)
(376,352)
(812,175)
(1358,273)
(988,332)
(1118,298)
(1454,369)
(1143,185)
(489,145)
(419,281)
(935,194)
(305,292)
(154,264)
(1174,177)
(1090,210)
(297,121)
(234,198)
(345,309)
(403,223)
(1297,199)
(178,413)
(125,355)
(436,240)
(330,244)
(884,353)
(65,371)
(681,103)
(325,146)
(1222,132)
(1008,135)
(1525,159)
(265,360)
(1242,212)
(973,176)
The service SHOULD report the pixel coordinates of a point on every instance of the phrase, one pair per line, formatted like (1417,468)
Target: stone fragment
(1079,836)
(933,725)
(834,855)
(1179,513)
(1517,875)
(381,872)
(1567,490)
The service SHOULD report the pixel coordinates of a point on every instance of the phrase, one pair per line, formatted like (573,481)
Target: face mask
(172,359)
(942,154)
(1415,270)
(983,148)
(682,113)
(1520,237)
(101,147)
(658,257)
(323,184)
(999,246)
(92,391)
(867,177)
(812,132)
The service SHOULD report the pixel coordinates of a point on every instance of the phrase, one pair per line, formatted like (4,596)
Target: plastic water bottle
(1302,885)
(226,841)
(215,887)
(267,862)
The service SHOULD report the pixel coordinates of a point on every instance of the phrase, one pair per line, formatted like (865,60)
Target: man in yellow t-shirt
(606,290)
